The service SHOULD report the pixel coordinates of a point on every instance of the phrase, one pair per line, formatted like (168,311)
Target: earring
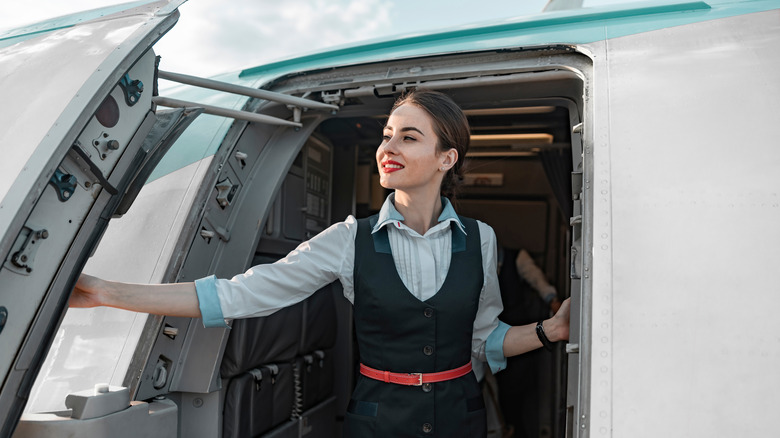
(442,169)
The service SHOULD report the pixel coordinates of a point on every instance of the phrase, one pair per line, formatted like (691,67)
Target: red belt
(414,379)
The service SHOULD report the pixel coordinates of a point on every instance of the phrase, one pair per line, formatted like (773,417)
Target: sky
(218,36)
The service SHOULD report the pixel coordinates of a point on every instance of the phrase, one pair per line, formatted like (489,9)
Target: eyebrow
(406,129)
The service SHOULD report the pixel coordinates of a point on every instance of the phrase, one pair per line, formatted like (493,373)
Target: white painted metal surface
(96,345)
(685,212)
(65,69)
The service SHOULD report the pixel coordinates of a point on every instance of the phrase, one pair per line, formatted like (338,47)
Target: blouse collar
(388,214)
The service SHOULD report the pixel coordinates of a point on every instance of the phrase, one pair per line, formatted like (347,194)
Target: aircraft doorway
(519,176)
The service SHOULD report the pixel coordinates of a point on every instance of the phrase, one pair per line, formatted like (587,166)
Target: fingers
(562,317)
(566,305)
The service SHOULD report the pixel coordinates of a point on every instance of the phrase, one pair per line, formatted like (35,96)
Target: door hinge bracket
(64,184)
(132,89)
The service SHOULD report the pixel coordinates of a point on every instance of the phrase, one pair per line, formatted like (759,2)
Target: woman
(422,281)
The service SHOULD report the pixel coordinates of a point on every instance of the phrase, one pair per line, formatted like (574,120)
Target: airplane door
(74,123)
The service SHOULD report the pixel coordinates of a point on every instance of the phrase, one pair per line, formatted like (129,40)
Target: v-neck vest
(397,332)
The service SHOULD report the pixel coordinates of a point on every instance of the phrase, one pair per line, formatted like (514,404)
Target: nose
(389,146)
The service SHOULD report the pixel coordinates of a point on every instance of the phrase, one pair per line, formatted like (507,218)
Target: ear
(449,158)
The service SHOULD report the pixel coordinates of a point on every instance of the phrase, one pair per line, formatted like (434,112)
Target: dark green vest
(399,333)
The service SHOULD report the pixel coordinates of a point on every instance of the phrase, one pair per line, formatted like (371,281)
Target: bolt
(113,145)
(23,258)
(198,402)
(42,234)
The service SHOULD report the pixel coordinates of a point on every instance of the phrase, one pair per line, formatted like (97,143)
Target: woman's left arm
(523,338)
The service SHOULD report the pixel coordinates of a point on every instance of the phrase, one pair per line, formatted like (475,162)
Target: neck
(421,211)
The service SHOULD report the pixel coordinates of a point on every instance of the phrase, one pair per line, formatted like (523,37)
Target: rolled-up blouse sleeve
(488,339)
(264,289)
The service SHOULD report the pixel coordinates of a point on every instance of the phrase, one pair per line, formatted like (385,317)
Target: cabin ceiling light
(510,139)
(509,111)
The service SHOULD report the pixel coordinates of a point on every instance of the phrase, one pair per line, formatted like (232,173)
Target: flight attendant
(422,281)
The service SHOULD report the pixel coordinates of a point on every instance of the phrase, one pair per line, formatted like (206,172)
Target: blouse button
(427,428)
(428,350)
(428,312)
(427,387)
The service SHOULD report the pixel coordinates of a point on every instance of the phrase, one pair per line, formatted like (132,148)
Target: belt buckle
(419,379)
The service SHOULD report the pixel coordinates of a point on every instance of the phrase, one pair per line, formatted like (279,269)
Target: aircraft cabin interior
(291,373)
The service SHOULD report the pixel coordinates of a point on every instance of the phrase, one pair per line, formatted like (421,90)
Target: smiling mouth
(391,166)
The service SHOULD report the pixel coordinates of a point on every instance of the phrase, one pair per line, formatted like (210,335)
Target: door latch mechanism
(226,190)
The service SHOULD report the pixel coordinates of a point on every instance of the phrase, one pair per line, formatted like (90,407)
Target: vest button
(427,387)
(427,428)
(428,312)
(428,350)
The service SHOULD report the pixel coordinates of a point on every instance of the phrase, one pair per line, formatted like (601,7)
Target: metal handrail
(245,91)
(224,112)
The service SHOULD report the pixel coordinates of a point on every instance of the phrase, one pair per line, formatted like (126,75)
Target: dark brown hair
(450,126)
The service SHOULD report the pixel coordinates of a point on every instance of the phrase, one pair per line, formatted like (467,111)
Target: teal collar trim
(448,214)
(388,214)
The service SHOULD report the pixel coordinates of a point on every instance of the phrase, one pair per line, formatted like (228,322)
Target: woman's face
(408,158)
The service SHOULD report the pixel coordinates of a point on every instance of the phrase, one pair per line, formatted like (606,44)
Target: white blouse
(422,263)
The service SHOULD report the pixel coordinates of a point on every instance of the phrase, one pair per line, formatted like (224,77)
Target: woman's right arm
(174,299)
(258,292)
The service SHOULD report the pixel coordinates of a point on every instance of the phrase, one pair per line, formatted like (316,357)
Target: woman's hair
(450,126)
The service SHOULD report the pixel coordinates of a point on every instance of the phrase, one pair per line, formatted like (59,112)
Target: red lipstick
(390,166)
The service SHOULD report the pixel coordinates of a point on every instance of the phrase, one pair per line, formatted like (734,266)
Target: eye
(385,137)
(409,138)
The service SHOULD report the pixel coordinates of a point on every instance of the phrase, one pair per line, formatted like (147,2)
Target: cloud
(217,36)
(214,37)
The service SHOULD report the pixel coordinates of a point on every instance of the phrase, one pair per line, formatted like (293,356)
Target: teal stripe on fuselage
(579,26)
(582,26)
